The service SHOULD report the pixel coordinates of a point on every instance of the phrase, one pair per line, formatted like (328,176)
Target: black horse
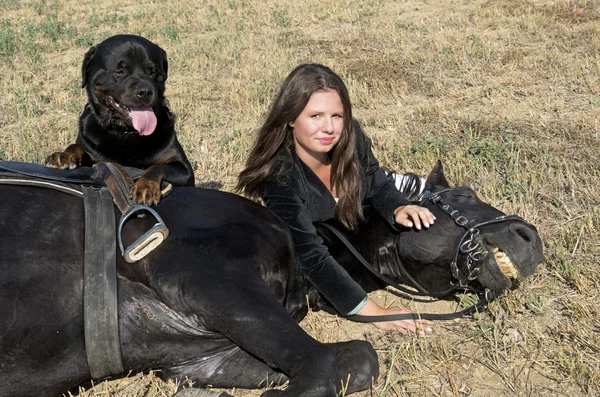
(217,302)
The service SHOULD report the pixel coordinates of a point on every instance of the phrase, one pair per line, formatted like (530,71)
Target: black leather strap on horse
(407,316)
(119,182)
(101,321)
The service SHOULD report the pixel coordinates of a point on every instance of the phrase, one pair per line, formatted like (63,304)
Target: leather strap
(483,298)
(100,304)
(119,182)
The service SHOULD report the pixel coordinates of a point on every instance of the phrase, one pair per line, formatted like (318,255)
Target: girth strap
(102,342)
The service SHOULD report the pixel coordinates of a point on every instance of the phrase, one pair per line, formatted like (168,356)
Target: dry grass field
(505,93)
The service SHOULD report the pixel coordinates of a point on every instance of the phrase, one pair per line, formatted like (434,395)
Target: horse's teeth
(505,264)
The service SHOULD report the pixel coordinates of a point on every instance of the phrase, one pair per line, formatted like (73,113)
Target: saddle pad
(77,176)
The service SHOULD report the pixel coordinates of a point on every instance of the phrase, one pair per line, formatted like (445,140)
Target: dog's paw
(146,191)
(62,161)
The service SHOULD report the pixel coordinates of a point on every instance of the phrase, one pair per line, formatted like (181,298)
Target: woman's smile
(318,128)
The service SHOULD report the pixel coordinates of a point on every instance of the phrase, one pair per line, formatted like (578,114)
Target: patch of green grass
(171,31)
(240,25)
(365,14)
(42,7)
(483,150)
(466,300)
(437,146)
(110,20)
(535,304)
(87,38)
(402,25)
(8,40)
(10,5)
(51,28)
(282,18)
(560,261)
(216,13)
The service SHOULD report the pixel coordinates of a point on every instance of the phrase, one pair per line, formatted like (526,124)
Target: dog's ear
(85,66)
(165,63)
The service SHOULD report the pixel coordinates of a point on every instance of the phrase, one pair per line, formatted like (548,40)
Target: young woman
(311,162)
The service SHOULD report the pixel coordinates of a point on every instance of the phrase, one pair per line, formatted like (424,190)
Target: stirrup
(145,243)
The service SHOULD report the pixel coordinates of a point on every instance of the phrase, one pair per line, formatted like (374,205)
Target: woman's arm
(318,266)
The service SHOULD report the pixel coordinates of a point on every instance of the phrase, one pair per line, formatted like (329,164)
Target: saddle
(101,186)
(86,182)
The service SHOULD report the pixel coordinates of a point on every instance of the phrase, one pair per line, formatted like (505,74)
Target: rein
(483,297)
(470,244)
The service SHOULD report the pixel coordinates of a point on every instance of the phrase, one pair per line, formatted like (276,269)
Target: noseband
(471,242)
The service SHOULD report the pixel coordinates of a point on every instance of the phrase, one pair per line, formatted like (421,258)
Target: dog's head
(125,81)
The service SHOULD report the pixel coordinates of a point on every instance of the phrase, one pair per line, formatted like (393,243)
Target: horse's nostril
(522,231)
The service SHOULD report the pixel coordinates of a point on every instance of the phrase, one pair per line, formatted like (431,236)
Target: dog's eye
(119,72)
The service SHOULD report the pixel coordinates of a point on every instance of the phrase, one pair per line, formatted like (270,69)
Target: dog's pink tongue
(144,120)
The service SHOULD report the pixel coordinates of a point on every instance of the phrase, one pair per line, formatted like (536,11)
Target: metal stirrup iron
(119,183)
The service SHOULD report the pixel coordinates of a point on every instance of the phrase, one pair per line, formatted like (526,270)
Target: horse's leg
(356,368)
(227,367)
(236,302)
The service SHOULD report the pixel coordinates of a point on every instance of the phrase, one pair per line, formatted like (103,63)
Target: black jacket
(303,200)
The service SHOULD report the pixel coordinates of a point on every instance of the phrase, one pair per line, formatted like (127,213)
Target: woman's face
(318,128)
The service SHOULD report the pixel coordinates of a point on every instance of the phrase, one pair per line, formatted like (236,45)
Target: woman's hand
(407,215)
(403,326)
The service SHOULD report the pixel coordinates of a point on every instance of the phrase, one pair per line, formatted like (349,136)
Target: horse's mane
(410,185)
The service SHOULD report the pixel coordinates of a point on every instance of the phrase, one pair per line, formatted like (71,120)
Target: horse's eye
(465,197)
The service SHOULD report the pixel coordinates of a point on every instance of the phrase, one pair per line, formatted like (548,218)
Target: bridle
(470,244)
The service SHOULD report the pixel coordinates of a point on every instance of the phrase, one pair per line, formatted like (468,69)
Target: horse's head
(469,241)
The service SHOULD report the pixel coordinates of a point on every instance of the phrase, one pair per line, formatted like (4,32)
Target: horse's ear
(85,66)
(436,178)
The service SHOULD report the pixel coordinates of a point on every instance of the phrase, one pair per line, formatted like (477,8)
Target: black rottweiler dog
(127,119)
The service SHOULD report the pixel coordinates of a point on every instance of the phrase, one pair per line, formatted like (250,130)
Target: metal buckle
(145,243)
(474,274)
(461,220)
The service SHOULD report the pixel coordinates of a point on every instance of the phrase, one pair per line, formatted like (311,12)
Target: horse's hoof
(193,392)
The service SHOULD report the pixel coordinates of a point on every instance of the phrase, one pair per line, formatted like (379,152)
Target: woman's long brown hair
(275,136)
